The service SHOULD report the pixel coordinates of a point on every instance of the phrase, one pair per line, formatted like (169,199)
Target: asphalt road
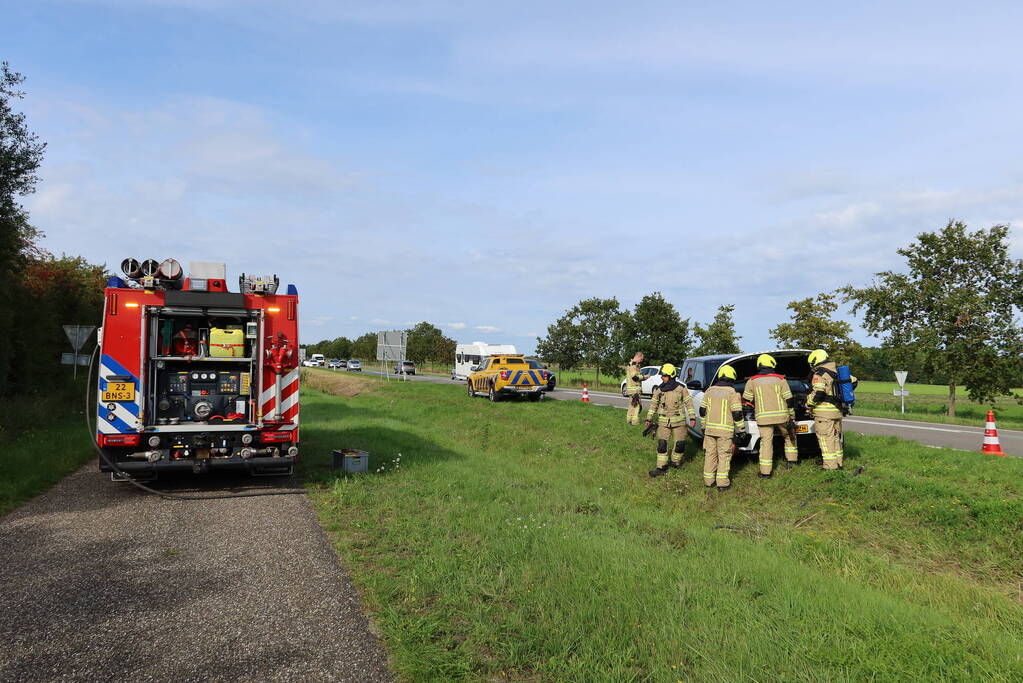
(928,433)
(103,582)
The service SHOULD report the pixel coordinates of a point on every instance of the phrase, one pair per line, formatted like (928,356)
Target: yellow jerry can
(227,343)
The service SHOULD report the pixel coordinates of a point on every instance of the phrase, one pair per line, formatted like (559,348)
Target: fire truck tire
(493,395)
(472,394)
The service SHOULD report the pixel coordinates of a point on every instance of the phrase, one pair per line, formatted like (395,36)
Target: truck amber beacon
(194,377)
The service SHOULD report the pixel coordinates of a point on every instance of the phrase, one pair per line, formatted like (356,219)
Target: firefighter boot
(679,455)
(662,459)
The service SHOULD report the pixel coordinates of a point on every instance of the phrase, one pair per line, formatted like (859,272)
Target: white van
(468,356)
(319,359)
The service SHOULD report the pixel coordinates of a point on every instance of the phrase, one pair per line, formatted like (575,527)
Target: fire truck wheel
(493,395)
(469,385)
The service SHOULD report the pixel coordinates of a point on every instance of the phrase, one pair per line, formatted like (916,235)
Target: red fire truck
(194,377)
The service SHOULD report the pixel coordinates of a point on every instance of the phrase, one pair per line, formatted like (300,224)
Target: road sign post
(900,377)
(77,335)
(391,345)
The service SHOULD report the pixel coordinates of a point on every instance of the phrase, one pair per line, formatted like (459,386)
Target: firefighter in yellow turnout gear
(773,411)
(673,405)
(826,407)
(721,411)
(634,388)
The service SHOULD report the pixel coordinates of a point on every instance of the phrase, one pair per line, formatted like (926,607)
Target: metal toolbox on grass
(351,460)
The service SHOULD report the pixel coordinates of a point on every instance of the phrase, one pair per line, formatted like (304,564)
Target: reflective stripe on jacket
(770,395)
(825,383)
(672,407)
(633,379)
(719,403)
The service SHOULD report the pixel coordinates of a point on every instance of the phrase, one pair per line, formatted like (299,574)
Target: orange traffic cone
(586,393)
(991,445)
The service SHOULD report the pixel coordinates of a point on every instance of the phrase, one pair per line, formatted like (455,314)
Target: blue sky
(484,166)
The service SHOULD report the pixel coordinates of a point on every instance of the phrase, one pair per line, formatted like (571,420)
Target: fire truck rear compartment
(201,366)
(199,413)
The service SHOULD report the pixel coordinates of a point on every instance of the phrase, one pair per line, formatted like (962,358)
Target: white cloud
(455,326)
(488,328)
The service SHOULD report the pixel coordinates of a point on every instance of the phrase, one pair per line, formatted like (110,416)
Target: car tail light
(543,374)
(275,437)
(120,439)
(504,374)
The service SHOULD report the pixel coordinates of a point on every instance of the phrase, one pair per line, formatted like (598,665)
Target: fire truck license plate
(802,429)
(119,391)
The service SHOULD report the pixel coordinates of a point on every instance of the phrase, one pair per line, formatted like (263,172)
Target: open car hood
(792,363)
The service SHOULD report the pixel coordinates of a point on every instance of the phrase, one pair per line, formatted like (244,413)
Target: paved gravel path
(101,581)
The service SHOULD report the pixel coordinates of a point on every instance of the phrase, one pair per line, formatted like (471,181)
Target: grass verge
(521,541)
(43,440)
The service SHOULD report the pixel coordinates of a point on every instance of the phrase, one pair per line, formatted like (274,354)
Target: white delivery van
(468,356)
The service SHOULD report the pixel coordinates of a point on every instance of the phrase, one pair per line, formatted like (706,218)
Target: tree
(719,336)
(20,150)
(562,345)
(365,347)
(656,329)
(20,156)
(341,348)
(590,332)
(955,310)
(812,327)
(426,342)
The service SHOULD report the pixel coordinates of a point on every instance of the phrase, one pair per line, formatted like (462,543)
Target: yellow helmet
(766,360)
(669,370)
(727,371)
(818,356)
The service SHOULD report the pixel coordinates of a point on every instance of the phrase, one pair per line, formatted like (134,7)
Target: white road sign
(391,345)
(900,376)
(78,334)
(900,392)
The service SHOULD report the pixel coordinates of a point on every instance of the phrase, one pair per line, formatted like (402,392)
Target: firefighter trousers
(665,435)
(767,433)
(717,460)
(829,436)
(635,406)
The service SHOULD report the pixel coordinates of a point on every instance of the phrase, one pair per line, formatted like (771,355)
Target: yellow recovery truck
(506,374)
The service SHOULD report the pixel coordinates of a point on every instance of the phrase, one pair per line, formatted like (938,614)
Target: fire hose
(91,429)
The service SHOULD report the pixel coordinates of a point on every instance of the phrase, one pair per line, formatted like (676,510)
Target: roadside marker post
(991,445)
(900,377)
(586,393)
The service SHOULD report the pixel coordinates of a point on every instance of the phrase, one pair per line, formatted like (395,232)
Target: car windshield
(536,365)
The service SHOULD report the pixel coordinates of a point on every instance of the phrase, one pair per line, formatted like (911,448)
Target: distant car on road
(310,363)
(354,366)
(335,364)
(552,381)
(406,367)
(651,379)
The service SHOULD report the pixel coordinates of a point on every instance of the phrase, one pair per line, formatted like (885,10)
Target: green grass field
(929,403)
(524,541)
(43,440)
